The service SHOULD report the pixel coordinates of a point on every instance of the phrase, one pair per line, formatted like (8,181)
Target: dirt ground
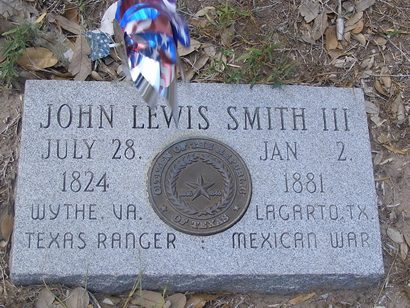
(259,41)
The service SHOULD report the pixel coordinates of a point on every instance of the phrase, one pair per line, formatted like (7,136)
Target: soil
(312,64)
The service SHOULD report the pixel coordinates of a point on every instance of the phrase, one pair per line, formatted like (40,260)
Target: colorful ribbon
(152,30)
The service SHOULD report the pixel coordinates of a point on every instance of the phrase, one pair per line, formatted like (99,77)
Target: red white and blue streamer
(152,30)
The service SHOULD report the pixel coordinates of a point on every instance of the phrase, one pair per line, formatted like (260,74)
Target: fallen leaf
(200,300)
(195,302)
(360,38)
(9,8)
(319,26)
(45,299)
(200,63)
(364,5)
(331,38)
(80,65)
(6,226)
(380,41)
(219,62)
(78,298)
(367,63)
(404,250)
(407,237)
(210,50)
(396,150)
(72,14)
(148,299)
(385,78)
(309,9)
(205,11)
(398,110)
(345,62)
(184,51)
(395,235)
(227,36)
(371,108)
(351,22)
(379,88)
(37,58)
(106,25)
(378,158)
(177,300)
(40,18)
(358,27)
(67,24)
(301,298)
(108,301)
(377,120)
(96,76)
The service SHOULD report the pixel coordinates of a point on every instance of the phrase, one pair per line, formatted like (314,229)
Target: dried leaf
(345,62)
(183,51)
(227,36)
(309,9)
(210,51)
(397,108)
(358,27)
(37,58)
(386,80)
(377,120)
(96,76)
(107,19)
(177,300)
(45,299)
(195,302)
(72,14)
(67,24)
(78,298)
(404,250)
(80,65)
(371,108)
(200,63)
(407,237)
(148,299)
(396,150)
(301,298)
(364,5)
(319,26)
(9,8)
(6,226)
(40,18)
(379,88)
(367,63)
(331,38)
(205,11)
(351,22)
(360,38)
(380,41)
(395,235)
(200,300)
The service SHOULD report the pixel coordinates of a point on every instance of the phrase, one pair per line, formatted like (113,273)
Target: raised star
(201,188)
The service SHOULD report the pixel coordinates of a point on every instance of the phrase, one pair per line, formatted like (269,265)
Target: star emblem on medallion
(200,188)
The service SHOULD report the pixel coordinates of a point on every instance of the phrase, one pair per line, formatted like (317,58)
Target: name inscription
(291,122)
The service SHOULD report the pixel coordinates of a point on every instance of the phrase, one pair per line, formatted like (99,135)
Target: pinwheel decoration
(151,30)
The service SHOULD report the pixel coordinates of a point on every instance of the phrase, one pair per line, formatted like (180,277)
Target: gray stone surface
(283,243)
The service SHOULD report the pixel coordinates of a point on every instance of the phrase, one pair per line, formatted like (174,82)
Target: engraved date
(85,181)
(299,183)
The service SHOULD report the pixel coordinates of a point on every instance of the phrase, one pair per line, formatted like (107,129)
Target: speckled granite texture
(312,221)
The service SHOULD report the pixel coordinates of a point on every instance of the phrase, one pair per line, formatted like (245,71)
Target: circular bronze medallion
(199,186)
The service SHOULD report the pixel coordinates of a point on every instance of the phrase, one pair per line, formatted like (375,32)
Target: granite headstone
(84,214)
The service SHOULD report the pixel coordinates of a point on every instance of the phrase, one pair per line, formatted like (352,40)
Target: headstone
(258,189)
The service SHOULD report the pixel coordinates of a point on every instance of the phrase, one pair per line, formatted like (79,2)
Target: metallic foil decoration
(99,44)
(151,31)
